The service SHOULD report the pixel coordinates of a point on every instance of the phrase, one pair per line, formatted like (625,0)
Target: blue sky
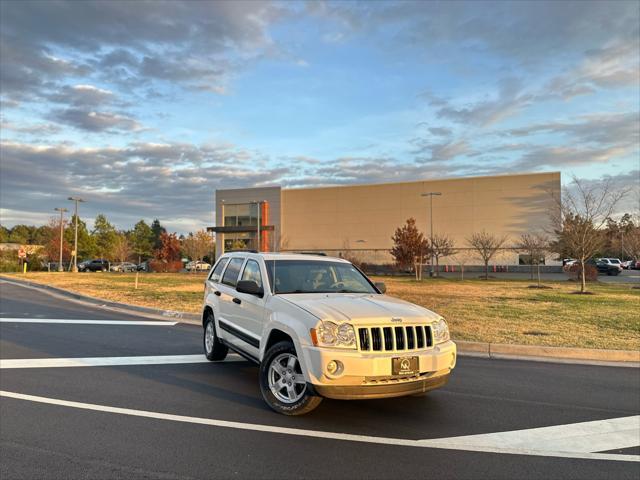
(145,108)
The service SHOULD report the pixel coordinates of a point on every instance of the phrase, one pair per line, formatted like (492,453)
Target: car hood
(359,308)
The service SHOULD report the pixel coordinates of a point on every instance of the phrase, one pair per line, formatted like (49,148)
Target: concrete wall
(246,195)
(364,217)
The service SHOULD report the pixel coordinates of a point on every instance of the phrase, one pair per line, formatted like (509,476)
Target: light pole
(75,240)
(431,195)
(61,210)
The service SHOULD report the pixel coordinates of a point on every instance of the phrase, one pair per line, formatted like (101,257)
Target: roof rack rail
(321,254)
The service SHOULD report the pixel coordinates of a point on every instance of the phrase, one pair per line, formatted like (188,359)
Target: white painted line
(148,323)
(434,443)
(108,361)
(594,436)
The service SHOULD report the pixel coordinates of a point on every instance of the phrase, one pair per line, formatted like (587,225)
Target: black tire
(307,401)
(218,351)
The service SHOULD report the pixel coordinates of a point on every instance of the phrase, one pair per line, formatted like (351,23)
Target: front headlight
(329,334)
(440,331)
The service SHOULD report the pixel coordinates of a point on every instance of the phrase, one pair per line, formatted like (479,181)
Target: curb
(585,356)
(582,356)
(168,315)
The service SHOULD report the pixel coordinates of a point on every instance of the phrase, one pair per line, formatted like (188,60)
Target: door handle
(217,293)
(237,300)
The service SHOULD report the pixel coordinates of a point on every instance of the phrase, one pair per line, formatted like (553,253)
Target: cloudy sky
(145,108)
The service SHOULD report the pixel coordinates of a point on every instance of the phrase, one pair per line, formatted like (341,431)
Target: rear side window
(217,272)
(231,273)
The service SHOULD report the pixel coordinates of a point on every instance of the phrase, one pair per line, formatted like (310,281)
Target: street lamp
(61,210)
(75,240)
(431,195)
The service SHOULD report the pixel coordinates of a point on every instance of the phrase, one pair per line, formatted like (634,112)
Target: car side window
(252,272)
(230,276)
(217,272)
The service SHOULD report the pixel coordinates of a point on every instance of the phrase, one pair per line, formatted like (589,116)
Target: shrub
(161,266)
(590,272)
(9,261)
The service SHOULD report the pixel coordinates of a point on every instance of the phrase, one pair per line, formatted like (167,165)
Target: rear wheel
(282,382)
(214,349)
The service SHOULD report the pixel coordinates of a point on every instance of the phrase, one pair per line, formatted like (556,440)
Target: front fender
(295,329)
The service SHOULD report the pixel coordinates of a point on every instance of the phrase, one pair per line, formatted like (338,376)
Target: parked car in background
(198,266)
(567,262)
(96,265)
(605,265)
(628,264)
(124,267)
(144,267)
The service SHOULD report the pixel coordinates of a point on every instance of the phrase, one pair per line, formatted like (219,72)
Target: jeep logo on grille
(396,319)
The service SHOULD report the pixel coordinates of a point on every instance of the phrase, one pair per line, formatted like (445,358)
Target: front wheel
(214,349)
(282,382)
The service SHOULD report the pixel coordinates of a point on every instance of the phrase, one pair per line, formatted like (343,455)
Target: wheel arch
(277,335)
(206,310)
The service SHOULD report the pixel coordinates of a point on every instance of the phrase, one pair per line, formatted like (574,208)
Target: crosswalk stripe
(149,323)
(108,361)
(432,443)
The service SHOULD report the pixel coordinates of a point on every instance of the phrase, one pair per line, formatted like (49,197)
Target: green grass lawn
(495,310)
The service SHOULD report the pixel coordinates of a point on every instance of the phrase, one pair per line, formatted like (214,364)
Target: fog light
(332,367)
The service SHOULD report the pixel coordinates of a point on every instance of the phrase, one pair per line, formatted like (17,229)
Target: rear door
(229,310)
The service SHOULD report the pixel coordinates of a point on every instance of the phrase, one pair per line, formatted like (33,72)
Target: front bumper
(369,375)
(363,392)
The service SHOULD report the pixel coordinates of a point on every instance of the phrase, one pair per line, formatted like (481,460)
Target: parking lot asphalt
(174,415)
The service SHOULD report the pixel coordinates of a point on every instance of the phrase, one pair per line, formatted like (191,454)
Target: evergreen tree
(4,234)
(158,230)
(20,234)
(142,240)
(105,236)
(87,247)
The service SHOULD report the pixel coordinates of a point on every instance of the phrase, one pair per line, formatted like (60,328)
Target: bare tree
(441,246)
(197,246)
(121,247)
(534,245)
(631,244)
(486,246)
(580,217)
(462,257)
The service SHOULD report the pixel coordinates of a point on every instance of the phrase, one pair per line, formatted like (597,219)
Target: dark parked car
(97,265)
(144,267)
(605,266)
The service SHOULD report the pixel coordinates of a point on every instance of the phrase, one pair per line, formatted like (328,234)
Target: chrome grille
(392,339)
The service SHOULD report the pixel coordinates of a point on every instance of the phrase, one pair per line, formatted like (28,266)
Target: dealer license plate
(405,365)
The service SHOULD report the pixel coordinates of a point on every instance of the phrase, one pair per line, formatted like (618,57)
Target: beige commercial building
(358,221)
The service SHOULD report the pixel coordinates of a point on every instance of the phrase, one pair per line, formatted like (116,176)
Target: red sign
(22,253)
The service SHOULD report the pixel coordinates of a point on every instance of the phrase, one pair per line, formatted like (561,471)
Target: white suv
(318,327)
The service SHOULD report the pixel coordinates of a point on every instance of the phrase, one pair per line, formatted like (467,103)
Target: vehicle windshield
(309,276)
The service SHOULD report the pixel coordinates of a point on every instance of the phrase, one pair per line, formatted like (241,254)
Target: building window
(240,241)
(241,215)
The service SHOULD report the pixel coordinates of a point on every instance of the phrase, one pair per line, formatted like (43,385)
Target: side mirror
(381,286)
(250,287)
